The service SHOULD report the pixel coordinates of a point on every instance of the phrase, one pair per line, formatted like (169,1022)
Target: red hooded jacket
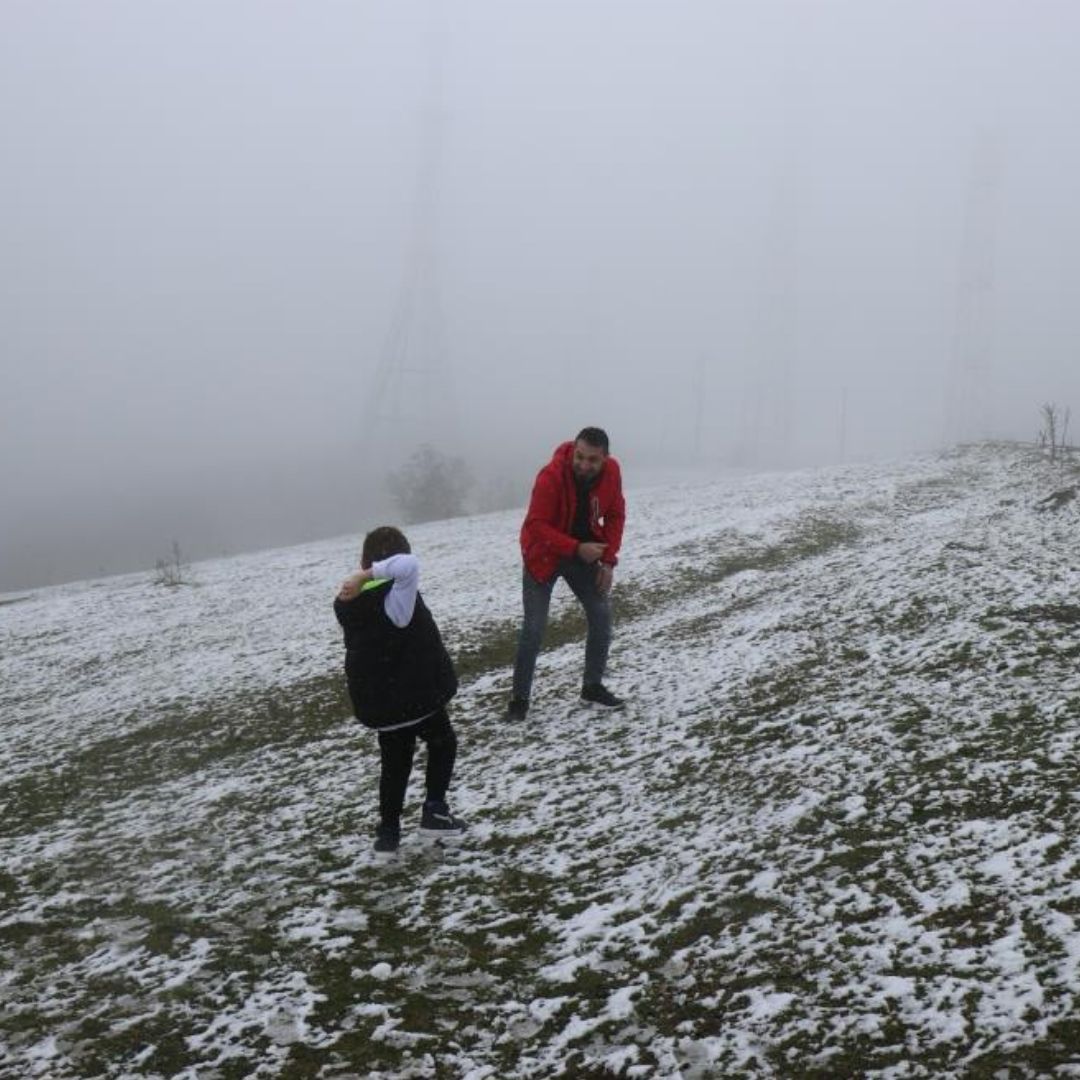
(545,535)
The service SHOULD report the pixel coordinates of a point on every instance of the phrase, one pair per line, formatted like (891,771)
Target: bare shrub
(430,486)
(171,571)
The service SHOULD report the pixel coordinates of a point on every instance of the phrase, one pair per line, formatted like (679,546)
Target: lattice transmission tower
(967,414)
(411,399)
(776,333)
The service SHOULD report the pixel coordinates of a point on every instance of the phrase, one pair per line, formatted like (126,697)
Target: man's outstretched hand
(590,552)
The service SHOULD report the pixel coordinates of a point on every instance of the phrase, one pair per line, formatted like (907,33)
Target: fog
(256,253)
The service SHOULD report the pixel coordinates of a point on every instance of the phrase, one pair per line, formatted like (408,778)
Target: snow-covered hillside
(835,834)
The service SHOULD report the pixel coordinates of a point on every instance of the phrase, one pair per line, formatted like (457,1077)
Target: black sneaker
(387,839)
(598,694)
(438,823)
(518,709)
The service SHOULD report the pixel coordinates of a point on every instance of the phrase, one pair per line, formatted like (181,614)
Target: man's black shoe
(598,694)
(518,709)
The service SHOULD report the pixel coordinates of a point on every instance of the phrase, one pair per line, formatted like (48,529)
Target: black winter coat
(395,674)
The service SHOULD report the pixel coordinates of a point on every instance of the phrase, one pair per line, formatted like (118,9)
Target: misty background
(255,253)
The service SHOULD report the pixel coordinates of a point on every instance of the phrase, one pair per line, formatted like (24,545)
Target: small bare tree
(170,571)
(1055,426)
(430,486)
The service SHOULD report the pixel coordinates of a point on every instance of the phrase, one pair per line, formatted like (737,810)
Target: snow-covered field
(836,833)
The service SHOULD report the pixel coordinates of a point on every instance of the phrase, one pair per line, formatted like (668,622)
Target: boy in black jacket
(400,679)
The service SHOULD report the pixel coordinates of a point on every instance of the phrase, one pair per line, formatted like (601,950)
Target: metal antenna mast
(967,417)
(777,329)
(411,391)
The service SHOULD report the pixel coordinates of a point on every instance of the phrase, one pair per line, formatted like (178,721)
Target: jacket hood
(564,454)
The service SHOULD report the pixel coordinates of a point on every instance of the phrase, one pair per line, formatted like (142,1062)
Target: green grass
(171,743)
(789,707)
(1066,614)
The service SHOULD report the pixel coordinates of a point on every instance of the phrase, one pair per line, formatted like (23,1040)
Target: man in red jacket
(573,529)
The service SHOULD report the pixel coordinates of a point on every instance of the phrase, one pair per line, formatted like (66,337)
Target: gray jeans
(536,599)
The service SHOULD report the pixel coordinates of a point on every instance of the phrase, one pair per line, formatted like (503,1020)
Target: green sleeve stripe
(374,583)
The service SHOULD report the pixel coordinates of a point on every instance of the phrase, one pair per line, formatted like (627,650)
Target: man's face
(588,460)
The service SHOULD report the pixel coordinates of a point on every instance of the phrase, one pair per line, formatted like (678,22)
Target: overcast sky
(742,232)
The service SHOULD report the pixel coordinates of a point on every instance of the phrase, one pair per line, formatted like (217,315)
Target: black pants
(396,748)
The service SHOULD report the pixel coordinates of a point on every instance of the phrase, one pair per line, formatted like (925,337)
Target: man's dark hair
(381,543)
(594,436)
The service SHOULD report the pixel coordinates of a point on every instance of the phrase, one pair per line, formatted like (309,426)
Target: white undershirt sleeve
(404,571)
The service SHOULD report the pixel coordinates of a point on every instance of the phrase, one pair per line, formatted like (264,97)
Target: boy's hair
(594,436)
(381,543)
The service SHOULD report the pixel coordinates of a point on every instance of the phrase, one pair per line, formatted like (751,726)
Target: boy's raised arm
(404,571)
